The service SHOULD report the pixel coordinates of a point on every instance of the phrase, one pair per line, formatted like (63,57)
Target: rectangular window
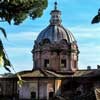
(75,63)
(51,95)
(63,63)
(33,95)
(46,63)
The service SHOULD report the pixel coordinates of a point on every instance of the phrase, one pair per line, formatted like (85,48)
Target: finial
(55,5)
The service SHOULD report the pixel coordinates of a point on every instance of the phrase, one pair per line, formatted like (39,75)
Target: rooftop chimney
(98,66)
(88,67)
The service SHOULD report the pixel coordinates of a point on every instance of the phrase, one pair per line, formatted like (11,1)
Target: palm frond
(7,69)
(3,58)
(96,19)
(3,31)
(1,48)
(20,81)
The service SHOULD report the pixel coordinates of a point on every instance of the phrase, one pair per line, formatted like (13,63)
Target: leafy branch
(4,60)
(18,10)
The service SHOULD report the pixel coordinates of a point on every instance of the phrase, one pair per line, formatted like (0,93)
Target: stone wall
(55,53)
(8,87)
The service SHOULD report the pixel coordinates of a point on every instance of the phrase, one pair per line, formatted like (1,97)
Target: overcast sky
(76,16)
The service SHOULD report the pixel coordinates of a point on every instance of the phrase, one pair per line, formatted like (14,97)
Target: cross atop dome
(55,7)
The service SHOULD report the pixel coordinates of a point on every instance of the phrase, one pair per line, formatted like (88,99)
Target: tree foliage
(96,19)
(4,61)
(17,11)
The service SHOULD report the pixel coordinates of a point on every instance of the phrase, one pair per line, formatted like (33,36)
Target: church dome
(55,32)
(55,47)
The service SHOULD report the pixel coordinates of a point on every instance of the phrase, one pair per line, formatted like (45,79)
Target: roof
(40,73)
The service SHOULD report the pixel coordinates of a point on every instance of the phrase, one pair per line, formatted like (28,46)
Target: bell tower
(55,47)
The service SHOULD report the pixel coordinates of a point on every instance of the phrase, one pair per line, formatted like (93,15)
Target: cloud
(89,45)
(86,32)
(19,47)
(18,50)
(23,36)
(20,57)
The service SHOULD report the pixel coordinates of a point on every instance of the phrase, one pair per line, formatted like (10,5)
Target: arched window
(46,41)
(63,41)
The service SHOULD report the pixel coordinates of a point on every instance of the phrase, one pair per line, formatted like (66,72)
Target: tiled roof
(41,73)
(51,74)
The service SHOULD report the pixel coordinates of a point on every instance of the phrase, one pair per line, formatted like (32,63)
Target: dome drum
(62,45)
(55,53)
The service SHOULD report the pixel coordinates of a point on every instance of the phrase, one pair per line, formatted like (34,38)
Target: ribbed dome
(56,33)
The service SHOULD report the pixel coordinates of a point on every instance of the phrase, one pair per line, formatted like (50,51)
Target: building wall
(55,53)
(42,88)
(8,87)
(81,88)
(27,88)
(24,91)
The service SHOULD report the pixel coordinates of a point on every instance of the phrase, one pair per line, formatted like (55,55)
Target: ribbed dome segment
(55,33)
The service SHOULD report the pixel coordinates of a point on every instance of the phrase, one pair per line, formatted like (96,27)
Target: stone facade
(39,88)
(56,54)
(8,88)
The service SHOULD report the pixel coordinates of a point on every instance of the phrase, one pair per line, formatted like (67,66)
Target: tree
(18,10)
(4,61)
(96,19)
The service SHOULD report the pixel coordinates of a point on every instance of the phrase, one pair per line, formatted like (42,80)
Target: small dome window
(63,63)
(63,41)
(46,41)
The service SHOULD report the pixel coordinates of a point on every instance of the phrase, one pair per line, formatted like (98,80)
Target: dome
(55,47)
(55,33)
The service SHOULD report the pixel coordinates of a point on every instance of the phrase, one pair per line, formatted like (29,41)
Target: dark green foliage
(3,32)
(3,56)
(96,19)
(18,10)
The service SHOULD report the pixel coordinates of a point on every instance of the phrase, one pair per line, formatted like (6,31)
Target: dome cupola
(55,16)
(55,47)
